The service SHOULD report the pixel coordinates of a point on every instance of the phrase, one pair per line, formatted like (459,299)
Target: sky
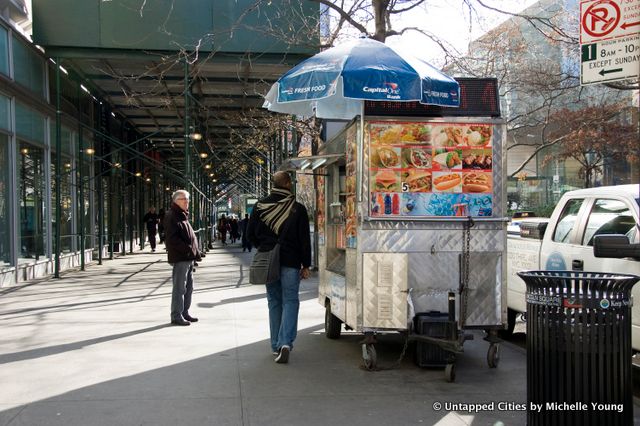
(449,20)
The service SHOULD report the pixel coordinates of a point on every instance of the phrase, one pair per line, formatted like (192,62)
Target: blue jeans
(182,288)
(284,303)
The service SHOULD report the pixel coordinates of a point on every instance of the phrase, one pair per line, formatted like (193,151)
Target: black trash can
(579,348)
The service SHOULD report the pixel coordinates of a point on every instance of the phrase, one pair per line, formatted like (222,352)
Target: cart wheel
(493,355)
(332,324)
(450,373)
(369,356)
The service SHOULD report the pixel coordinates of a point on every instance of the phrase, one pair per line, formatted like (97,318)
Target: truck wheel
(332,324)
(511,324)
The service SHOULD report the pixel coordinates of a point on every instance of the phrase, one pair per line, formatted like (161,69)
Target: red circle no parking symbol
(601,18)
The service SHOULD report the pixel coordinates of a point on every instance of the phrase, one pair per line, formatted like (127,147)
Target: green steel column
(57,241)
(123,199)
(99,189)
(99,186)
(131,220)
(81,196)
(187,139)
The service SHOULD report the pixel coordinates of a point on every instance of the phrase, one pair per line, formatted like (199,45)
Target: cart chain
(396,364)
(464,283)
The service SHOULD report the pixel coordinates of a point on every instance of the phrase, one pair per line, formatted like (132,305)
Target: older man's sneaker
(283,356)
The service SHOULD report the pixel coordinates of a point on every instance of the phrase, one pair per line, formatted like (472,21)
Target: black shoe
(190,318)
(180,322)
(283,356)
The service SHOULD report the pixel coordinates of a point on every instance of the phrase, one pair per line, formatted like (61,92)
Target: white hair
(178,193)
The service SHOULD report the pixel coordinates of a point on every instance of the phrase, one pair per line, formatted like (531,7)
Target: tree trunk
(379,13)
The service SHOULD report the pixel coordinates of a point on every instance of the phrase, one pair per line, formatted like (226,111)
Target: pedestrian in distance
(276,213)
(222,229)
(246,244)
(161,225)
(151,220)
(182,251)
(233,224)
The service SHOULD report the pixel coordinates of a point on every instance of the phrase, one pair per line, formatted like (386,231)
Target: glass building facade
(67,186)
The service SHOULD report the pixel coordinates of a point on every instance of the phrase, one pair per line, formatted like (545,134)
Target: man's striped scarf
(276,213)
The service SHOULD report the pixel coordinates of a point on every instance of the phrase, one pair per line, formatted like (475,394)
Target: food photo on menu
(418,158)
(458,135)
(386,180)
(447,159)
(399,133)
(476,182)
(416,180)
(477,159)
(447,182)
(385,157)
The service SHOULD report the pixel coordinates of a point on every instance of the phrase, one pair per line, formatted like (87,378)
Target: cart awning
(309,163)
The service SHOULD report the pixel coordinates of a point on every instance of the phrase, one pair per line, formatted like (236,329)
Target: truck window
(567,220)
(609,217)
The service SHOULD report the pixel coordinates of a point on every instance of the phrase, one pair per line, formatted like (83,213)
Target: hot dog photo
(447,182)
(476,182)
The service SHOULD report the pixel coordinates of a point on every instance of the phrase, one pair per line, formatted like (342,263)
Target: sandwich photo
(476,182)
(448,182)
(417,180)
(419,158)
(386,181)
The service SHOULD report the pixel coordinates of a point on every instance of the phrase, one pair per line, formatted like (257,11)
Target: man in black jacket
(151,220)
(182,250)
(279,212)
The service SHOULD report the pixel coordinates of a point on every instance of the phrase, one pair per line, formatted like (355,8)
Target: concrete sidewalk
(96,348)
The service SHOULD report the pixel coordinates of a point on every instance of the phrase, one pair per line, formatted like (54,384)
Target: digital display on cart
(427,169)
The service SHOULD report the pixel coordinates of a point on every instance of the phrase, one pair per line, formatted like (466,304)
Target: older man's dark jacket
(295,249)
(180,240)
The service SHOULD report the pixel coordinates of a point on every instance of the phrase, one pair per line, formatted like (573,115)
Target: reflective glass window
(567,221)
(31,205)
(28,67)
(4,113)
(4,51)
(30,124)
(5,184)
(609,217)
(66,190)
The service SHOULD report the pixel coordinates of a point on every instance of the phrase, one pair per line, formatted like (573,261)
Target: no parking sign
(610,40)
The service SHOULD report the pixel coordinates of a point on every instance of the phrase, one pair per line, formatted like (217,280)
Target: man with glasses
(182,249)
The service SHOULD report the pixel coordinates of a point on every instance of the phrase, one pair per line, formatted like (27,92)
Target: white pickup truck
(565,242)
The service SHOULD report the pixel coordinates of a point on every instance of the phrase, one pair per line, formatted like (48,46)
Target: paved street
(96,348)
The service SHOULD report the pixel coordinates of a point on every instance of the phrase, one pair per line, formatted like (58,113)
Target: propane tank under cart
(412,227)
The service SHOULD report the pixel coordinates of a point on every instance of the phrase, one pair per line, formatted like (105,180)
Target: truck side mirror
(617,246)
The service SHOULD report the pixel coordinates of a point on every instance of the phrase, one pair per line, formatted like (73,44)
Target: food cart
(412,228)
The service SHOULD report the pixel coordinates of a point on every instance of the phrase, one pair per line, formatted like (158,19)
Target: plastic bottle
(387,204)
(396,204)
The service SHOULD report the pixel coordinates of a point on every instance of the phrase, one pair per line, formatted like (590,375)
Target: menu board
(420,169)
(350,188)
(320,205)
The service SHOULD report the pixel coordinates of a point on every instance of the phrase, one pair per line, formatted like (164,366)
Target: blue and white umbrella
(333,83)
